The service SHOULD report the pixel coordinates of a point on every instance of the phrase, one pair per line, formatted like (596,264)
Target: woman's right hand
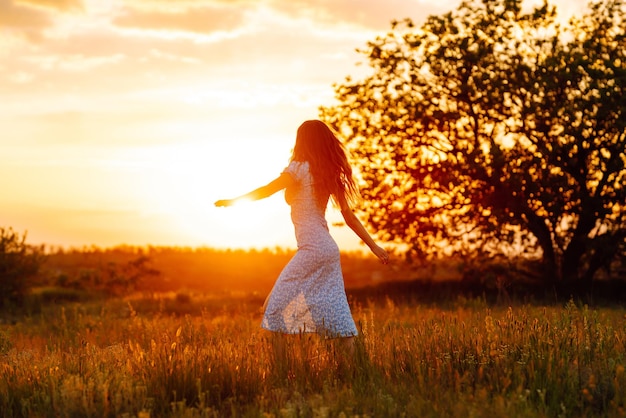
(224,203)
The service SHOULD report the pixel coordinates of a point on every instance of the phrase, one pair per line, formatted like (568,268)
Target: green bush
(18,263)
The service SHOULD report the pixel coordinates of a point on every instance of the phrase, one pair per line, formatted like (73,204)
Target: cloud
(180,5)
(74,63)
(208,16)
(197,18)
(158,54)
(21,77)
(371,14)
(61,5)
(23,20)
(30,20)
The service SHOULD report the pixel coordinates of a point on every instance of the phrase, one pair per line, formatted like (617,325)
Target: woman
(309,295)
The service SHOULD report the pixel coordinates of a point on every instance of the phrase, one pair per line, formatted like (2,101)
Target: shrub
(18,263)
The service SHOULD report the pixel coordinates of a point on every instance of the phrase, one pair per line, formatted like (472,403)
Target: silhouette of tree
(495,131)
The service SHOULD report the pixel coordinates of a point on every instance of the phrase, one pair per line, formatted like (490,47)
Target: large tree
(496,130)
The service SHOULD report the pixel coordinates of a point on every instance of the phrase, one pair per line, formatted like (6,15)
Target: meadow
(185,354)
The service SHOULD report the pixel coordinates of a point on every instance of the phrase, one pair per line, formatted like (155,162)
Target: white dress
(309,295)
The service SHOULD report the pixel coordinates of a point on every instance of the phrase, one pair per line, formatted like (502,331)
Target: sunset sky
(122,121)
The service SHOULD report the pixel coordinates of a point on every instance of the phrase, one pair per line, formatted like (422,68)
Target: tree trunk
(570,267)
(537,225)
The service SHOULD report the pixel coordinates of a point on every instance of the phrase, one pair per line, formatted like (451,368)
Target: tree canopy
(495,130)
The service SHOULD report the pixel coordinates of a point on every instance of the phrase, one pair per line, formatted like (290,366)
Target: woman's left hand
(381,253)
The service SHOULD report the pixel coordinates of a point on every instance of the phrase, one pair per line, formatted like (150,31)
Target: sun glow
(181,183)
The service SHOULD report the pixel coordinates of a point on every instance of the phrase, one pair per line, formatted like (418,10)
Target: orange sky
(122,121)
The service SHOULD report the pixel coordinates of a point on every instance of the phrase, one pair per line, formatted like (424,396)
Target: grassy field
(199,355)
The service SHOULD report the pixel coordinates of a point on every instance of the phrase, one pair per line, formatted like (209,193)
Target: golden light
(181,182)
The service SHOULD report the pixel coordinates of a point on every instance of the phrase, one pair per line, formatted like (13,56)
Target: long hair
(331,171)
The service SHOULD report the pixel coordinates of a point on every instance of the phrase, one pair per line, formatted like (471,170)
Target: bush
(18,263)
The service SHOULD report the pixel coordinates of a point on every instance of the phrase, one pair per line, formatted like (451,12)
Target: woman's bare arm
(281,182)
(355,225)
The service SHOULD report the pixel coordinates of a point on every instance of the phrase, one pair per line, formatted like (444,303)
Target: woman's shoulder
(299,164)
(298,169)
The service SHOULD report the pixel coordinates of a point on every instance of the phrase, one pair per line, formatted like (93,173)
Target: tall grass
(139,358)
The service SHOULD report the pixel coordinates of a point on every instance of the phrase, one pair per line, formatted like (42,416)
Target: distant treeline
(125,268)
